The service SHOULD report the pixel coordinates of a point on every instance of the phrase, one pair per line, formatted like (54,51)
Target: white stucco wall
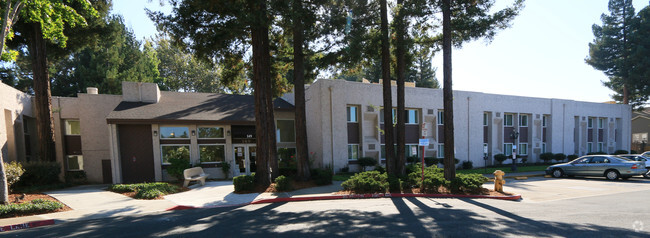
(14,104)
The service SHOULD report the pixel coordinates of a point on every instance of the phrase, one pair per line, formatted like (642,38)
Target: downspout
(468,130)
(331,129)
(563,125)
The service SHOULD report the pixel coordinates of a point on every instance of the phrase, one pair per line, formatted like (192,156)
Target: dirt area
(23,198)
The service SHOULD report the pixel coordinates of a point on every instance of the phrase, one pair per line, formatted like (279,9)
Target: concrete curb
(355,196)
(31,224)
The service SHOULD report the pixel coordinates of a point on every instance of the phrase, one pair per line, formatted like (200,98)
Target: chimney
(91,90)
(140,92)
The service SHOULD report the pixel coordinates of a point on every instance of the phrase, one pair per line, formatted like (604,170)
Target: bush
(366,161)
(283,184)
(380,169)
(559,157)
(35,206)
(620,152)
(13,171)
(145,190)
(396,184)
(431,161)
(321,176)
(148,194)
(76,177)
(243,183)
(367,182)
(412,159)
(471,183)
(442,160)
(633,152)
(500,158)
(572,157)
(177,164)
(225,168)
(288,172)
(468,165)
(547,157)
(345,169)
(433,179)
(39,173)
(597,153)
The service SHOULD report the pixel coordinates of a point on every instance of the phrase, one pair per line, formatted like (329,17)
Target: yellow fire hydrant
(499,181)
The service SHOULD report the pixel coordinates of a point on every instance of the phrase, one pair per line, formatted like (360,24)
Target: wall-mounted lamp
(193,132)
(228,132)
(155,133)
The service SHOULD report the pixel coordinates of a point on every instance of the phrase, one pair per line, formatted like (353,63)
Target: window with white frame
(441,150)
(212,153)
(441,117)
(600,147)
(507,149)
(412,116)
(523,120)
(353,151)
(543,147)
(601,123)
(507,119)
(485,119)
(75,162)
(211,132)
(352,112)
(285,131)
(590,147)
(590,123)
(72,127)
(174,132)
(411,150)
(544,121)
(174,151)
(523,148)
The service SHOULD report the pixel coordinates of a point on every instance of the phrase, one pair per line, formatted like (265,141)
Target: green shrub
(456,161)
(412,159)
(366,161)
(283,184)
(633,152)
(597,153)
(431,161)
(433,179)
(380,169)
(367,182)
(148,194)
(321,176)
(13,171)
(500,158)
(467,183)
(243,183)
(288,172)
(144,189)
(620,152)
(546,157)
(39,173)
(572,157)
(35,206)
(225,168)
(468,165)
(345,169)
(76,177)
(559,157)
(396,184)
(177,164)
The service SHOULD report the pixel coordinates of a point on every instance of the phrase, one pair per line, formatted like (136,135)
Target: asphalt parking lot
(541,189)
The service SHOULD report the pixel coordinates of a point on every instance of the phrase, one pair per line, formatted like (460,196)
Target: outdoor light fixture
(193,132)
(155,133)
(228,132)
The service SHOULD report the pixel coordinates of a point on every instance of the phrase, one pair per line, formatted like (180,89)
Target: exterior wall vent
(498,114)
(430,111)
(370,109)
(371,146)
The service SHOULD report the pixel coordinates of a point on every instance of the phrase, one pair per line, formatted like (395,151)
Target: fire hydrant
(499,181)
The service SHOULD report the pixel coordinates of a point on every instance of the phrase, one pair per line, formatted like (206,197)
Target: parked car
(609,166)
(641,158)
(646,154)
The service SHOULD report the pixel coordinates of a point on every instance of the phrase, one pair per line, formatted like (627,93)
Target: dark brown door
(136,152)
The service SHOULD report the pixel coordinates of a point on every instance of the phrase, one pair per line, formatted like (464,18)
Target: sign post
(423,143)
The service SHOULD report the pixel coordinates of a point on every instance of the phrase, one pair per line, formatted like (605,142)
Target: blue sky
(541,55)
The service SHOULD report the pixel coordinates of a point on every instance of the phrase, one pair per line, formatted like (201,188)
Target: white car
(642,158)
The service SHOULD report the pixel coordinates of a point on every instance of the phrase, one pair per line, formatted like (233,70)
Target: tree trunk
(388,102)
(302,149)
(401,116)
(448,97)
(42,94)
(265,140)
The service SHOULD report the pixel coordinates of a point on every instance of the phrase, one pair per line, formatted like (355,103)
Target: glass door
(245,155)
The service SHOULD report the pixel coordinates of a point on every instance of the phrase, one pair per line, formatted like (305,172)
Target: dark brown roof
(178,107)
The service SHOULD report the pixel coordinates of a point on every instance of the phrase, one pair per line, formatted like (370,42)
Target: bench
(194,174)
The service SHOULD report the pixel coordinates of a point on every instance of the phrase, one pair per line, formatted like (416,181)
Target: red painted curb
(27,225)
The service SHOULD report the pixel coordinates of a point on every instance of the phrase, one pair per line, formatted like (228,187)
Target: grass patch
(36,206)
(342,176)
(145,190)
(506,169)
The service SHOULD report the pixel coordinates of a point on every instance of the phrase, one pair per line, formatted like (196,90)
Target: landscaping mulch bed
(19,198)
(484,191)
(132,194)
(271,188)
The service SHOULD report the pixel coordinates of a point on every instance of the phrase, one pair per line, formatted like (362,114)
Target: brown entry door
(136,153)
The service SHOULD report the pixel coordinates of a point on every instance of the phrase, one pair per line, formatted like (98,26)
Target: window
(544,118)
(441,150)
(172,132)
(600,147)
(412,150)
(590,123)
(507,149)
(72,127)
(175,151)
(353,152)
(411,116)
(601,123)
(507,120)
(286,131)
(485,119)
(441,117)
(590,147)
(212,153)
(523,120)
(352,114)
(523,149)
(210,132)
(381,116)
(543,147)
(75,162)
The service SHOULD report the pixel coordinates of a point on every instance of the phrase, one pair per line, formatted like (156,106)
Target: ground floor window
(412,150)
(174,151)
(212,153)
(353,152)
(507,149)
(523,148)
(75,162)
(441,150)
(543,147)
(590,147)
(600,147)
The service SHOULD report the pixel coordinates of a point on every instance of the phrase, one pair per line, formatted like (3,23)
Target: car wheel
(557,173)
(612,174)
